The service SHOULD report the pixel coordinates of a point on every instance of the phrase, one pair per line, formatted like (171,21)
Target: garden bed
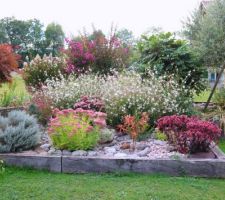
(175,166)
(86,164)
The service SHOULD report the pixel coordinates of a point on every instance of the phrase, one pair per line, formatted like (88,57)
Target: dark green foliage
(206,31)
(26,37)
(166,55)
(19,131)
(219,97)
(54,38)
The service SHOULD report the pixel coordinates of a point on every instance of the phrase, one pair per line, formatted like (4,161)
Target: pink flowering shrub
(90,103)
(76,129)
(189,134)
(97,54)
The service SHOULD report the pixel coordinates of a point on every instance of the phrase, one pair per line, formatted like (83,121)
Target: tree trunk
(214,87)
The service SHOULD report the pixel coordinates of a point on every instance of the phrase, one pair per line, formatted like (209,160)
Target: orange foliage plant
(134,125)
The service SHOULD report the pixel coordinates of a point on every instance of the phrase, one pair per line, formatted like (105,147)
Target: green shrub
(18,131)
(219,97)
(76,129)
(166,55)
(41,69)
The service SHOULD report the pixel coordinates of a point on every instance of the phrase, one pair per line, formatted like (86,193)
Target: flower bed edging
(71,164)
(190,167)
(50,163)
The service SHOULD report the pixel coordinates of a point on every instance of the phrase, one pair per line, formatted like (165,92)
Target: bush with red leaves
(8,62)
(189,134)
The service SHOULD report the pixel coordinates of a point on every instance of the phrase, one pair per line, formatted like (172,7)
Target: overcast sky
(73,15)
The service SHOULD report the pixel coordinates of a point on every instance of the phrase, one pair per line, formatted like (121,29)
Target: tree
(126,37)
(25,37)
(166,55)
(54,38)
(206,32)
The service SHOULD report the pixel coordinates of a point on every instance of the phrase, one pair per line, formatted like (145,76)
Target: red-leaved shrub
(8,62)
(97,54)
(189,134)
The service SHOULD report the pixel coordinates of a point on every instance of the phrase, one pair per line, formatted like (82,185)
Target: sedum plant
(76,129)
(18,131)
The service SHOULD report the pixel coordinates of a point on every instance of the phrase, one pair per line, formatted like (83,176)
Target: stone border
(71,164)
(189,167)
(50,163)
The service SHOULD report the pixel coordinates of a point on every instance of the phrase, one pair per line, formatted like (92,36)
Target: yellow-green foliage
(160,136)
(14,94)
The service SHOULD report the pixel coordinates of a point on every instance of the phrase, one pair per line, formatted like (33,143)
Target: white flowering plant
(123,94)
(40,69)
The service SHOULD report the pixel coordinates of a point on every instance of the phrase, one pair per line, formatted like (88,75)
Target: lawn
(222,145)
(202,97)
(25,184)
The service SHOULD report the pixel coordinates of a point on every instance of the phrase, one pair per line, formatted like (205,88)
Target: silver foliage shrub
(18,131)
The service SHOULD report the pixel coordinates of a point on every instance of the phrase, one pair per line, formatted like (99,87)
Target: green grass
(202,97)
(14,94)
(222,145)
(27,184)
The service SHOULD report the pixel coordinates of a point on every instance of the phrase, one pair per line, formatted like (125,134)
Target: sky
(75,15)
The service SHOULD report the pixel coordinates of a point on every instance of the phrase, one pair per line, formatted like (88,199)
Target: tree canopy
(166,55)
(27,37)
(206,32)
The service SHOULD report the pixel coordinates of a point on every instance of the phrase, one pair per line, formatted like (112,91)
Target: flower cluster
(90,103)
(97,54)
(76,129)
(189,134)
(80,56)
(122,93)
(41,69)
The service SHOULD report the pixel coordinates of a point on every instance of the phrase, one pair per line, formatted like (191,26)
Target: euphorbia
(134,125)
